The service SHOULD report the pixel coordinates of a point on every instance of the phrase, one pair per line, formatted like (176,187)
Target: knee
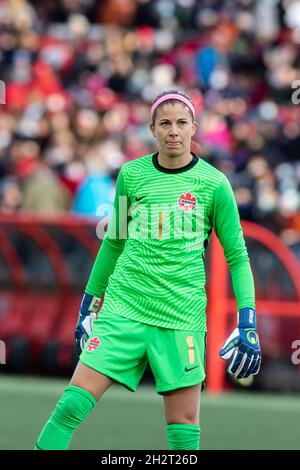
(73,406)
(184,419)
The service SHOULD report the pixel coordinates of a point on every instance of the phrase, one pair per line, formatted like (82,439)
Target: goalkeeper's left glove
(242,346)
(87,314)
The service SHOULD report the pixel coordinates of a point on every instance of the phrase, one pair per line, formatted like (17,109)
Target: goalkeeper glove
(87,314)
(242,346)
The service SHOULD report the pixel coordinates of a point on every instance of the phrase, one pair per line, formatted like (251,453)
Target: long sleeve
(226,222)
(113,243)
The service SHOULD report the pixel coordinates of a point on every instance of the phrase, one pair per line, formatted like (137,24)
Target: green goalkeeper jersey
(151,263)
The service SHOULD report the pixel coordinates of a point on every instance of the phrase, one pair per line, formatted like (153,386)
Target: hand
(242,346)
(87,314)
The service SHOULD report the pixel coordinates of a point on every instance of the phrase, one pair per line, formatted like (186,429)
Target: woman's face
(173,129)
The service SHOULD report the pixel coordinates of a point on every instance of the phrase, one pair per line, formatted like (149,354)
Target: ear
(151,127)
(194,128)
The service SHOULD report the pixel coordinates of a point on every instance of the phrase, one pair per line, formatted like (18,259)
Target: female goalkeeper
(151,269)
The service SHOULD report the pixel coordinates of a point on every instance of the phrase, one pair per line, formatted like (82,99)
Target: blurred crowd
(78,78)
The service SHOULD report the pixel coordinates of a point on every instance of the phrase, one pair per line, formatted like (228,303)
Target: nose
(173,131)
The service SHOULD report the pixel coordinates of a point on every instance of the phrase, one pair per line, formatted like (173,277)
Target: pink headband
(173,96)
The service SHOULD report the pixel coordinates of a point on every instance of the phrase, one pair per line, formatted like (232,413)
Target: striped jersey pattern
(159,277)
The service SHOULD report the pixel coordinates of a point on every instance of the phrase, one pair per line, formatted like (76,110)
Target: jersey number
(190,342)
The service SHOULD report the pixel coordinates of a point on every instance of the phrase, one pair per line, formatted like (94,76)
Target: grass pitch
(124,420)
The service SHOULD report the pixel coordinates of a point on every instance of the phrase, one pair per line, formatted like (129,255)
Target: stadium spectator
(10,195)
(94,72)
(94,195)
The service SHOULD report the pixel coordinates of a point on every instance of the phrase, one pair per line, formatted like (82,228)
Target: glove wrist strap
(247,318)
(89,304)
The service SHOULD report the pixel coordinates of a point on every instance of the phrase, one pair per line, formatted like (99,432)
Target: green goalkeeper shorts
(120,348)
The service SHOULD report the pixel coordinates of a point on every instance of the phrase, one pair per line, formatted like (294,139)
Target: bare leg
(90,380)
(183,405)
(182,408)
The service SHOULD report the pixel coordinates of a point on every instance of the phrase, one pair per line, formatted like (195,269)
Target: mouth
(173,144)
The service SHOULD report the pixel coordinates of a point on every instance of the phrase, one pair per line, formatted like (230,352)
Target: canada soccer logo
(93,344)
(187,202)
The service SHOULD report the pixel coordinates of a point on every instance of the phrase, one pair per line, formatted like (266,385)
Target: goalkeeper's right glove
(87,314)
(242,347)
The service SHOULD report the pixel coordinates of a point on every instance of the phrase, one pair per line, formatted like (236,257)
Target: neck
(174,162)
